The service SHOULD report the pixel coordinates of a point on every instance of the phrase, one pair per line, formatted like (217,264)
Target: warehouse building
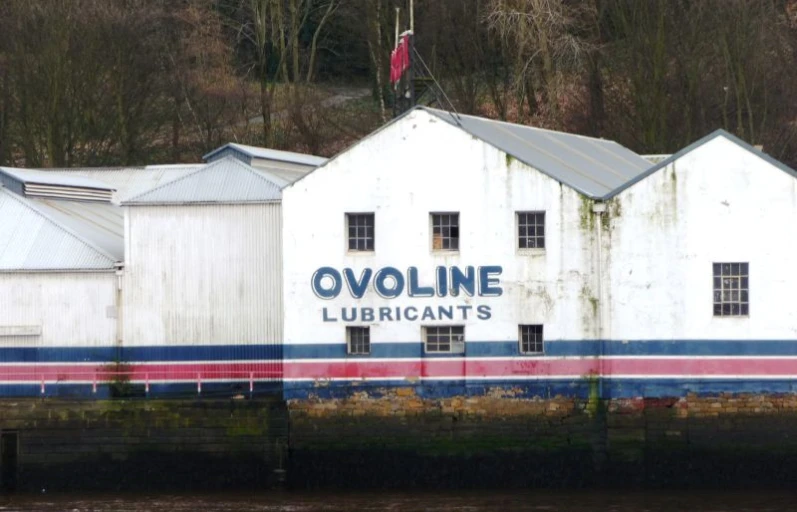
(452,254)
(444,253)
(147,279)
(61,249)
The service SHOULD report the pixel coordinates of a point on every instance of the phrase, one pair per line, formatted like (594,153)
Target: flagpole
(397,27)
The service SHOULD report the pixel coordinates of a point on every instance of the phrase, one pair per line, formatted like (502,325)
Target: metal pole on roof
(412,17)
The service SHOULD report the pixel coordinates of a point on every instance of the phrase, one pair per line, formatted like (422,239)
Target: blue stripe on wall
(132,354)
(615,388)
(612,388)
(564,348)
(395,350)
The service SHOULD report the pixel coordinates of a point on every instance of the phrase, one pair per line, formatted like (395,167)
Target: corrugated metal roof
(34,237)
(268,154)
(132,181)
(102,224)
(225,181)
(591,166)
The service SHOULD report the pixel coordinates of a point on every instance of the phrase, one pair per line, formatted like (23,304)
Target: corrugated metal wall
(204,275)
(71,309)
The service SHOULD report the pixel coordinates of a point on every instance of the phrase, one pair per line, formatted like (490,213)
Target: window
(448,339)
(361,231)
(530,337)
(445,231)
(531,230)
(359,340)
(731,289)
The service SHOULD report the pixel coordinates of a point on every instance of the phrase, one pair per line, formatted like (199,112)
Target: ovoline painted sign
(391,283)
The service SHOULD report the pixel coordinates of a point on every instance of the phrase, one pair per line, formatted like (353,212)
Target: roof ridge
(719,132)
(530,127)
(29,204)
(205,168)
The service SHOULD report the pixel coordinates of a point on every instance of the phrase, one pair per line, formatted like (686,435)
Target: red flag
(400,59)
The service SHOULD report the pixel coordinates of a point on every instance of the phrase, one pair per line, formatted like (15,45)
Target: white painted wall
(402,173)
(203,275)
(70,309)
(718,203)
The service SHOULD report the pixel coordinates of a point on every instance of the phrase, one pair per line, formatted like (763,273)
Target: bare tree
(542,35)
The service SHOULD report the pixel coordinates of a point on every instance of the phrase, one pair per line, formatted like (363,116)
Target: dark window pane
(745,309)
(716,269)
(717,309)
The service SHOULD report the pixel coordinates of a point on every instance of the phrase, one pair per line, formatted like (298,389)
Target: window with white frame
(358,340)
(445,231)
(731,289)
(530,338)
(361,231)
(531,230)
(448,339)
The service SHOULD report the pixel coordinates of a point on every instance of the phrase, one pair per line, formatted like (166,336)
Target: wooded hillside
(98,82)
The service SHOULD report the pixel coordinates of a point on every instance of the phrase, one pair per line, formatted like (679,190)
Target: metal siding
(12,184)
(204,275)
(70,308)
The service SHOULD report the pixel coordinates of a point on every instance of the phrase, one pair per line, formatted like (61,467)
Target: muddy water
(469,501)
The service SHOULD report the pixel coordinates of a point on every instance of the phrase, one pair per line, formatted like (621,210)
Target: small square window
(449,339)
(360,231)
(731,289)
(531,230)
(530,338)
(445,231)
(358,340)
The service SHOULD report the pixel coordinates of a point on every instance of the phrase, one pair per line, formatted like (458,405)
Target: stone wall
(402,440)
(150,444)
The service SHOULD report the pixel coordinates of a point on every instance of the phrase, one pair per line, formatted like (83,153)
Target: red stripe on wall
(430,368)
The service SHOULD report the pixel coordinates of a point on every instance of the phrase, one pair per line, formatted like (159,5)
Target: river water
(469,501)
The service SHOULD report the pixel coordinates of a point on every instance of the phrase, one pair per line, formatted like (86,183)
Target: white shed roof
(52,178)
(269,154)
(131,181)
(224,181)
(36,237)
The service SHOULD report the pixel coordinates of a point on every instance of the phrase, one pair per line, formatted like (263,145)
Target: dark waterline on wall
(473,501)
